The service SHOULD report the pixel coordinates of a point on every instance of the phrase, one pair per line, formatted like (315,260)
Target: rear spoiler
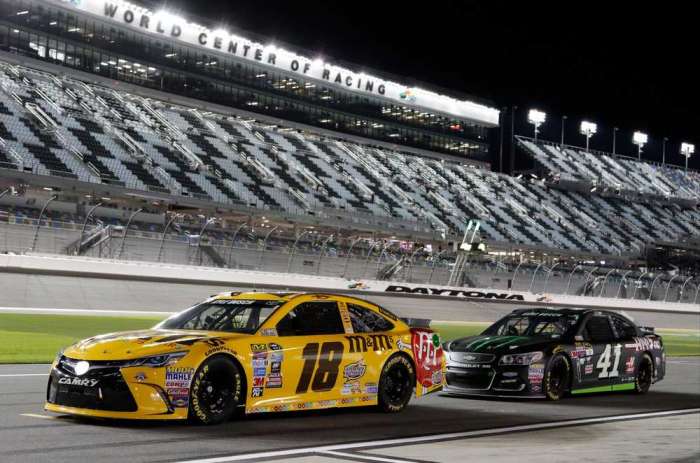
(646,330)
(416,322)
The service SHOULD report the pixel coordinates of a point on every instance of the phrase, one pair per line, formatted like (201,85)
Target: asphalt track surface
(27,434)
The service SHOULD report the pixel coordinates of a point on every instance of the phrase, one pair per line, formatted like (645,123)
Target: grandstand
(123,136)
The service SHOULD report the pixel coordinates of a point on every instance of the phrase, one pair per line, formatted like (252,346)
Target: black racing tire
(216,392)
(396,384)
(644,376)
(557,378)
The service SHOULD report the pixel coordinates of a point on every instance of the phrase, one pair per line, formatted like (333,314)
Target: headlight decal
(520,359)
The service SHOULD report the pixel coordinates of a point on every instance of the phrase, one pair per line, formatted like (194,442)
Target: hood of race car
(499,344)
(127,345)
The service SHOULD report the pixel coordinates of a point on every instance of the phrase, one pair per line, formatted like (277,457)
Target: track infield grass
(35,338)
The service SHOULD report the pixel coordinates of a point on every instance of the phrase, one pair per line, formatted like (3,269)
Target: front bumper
(490,379)
(106,391)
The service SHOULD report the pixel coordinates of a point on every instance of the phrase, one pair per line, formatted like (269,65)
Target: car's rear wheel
(645,373)
(396,384)
(216,391)
(556,379)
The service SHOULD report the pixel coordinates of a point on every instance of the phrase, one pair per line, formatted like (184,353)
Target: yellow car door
(302,364)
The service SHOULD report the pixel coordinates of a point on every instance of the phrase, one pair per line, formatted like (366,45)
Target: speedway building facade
(164,129)
(159,50)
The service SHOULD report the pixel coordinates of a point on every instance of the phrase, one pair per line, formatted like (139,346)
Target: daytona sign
(452,292)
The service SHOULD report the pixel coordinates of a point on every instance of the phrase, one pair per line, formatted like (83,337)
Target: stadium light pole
(687,150)
(82,230)
(233,242)
(563,124)
(663,151)
(126,231)
(324,246)
(38,222)
(264,246)
(536,118)
(165,231)
(294,248)
(588,129)
(615,129)
(347,258)
(640,139)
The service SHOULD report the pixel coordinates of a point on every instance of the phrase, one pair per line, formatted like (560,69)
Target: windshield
(231,315)
(552,325)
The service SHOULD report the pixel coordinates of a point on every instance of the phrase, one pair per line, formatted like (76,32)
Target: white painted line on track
(362,456)
(14,375)
(80,311)
(36,415)
(436,437)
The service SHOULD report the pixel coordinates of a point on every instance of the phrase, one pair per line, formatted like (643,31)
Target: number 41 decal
(604,362)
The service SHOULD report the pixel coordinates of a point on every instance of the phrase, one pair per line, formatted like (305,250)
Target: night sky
(625,64)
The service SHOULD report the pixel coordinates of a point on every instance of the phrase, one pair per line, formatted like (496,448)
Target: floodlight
(588,129)
(687,150)
(640,139)
(536,118)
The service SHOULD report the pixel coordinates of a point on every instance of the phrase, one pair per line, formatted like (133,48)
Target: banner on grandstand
(220,41)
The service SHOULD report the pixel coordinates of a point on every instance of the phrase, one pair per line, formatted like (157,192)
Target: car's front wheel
(396,384)
(556,379)
(645,372)
(216,391)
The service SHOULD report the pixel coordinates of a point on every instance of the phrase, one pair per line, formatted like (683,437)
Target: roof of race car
(563,311)
(263,295)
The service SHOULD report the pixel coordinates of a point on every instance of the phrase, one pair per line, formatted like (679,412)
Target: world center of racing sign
(222,42)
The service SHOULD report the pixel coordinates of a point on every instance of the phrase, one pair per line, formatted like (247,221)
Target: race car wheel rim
(556,379)
(644,374)
(215,392)
(396,384)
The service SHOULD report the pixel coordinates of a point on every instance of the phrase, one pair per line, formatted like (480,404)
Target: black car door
(597,357)
(625,334)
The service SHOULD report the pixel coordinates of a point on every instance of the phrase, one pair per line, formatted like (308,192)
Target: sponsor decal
(644,343)
(179,396)
(268,332)
(275,367)
(274,381)
(581,350)
(345,318)
(257,392)
(140,376)
(276,356)
(629,365)
(258,347)
(371,388)
(84,382)
(259,371)
(259,363)
(452,292)
(588,369)
(535,372)
(259,355)
(402,345)
(428,356)
(232,302)
(275,346)
(178,377)
(258,381)
(536,388)
(376,342)
(355,371)
(217,350)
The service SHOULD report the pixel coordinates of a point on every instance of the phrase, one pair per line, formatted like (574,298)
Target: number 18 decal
(326,373)
(604,362)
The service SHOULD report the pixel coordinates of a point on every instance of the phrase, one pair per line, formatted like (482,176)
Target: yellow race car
(255,352)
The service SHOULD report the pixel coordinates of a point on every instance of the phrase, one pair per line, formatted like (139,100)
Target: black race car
(547,353)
